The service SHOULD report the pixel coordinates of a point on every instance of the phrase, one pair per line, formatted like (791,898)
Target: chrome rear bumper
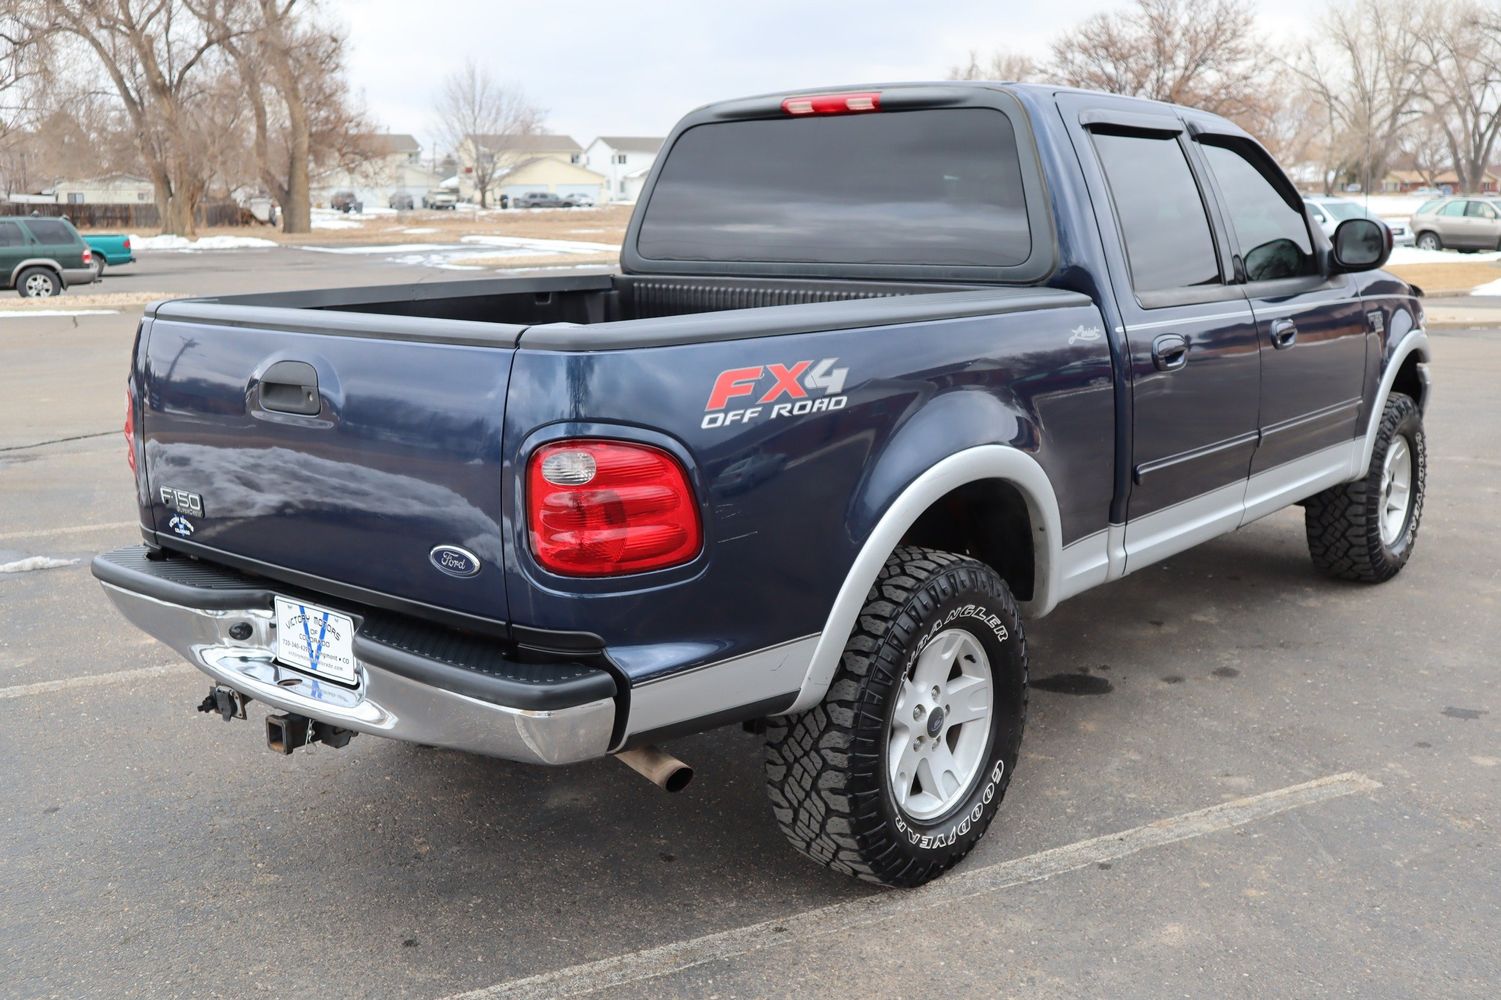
(383,702)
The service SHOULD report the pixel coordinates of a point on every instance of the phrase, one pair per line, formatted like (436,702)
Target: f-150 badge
(775,391)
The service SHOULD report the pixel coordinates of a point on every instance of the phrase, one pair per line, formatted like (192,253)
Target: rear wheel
(38,283)
(895,776)
(1365,530)
(98,265)
(1429,241)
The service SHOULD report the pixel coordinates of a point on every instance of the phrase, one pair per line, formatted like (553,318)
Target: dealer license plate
(315,640)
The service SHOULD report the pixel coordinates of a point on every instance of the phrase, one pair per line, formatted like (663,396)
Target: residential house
(1445,180)
(387,164)
(624,160)
(524,163)
(111,189)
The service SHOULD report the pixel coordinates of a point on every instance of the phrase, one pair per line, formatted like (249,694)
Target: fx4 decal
(775,391)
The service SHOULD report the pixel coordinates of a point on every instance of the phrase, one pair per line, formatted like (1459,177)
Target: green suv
(41,257)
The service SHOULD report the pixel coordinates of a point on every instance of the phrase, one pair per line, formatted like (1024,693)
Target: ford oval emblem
(454,561)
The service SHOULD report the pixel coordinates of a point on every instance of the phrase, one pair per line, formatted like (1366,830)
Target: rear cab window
(950,191)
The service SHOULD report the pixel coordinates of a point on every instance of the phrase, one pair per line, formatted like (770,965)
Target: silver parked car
(1328,213)
(1458,224)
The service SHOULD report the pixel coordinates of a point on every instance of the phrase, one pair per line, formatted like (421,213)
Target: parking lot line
(838,917)
(91,680)
(76,529)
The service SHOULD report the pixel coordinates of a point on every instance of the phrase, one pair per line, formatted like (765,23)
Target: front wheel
(1365,530)
(895,776)
(1429,241)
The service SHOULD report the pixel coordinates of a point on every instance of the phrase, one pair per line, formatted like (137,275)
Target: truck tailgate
(401,455)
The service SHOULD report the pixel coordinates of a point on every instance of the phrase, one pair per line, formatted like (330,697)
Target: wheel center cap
(935,722)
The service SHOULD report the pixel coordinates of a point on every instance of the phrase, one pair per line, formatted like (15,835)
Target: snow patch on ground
(24,313)
(387,248)
(34,563)
(420,229)
(181,244)
(1412,255)
(334,222)
(536,246)
(1489,288)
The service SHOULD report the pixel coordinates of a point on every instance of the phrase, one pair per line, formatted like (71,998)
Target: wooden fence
(126,216)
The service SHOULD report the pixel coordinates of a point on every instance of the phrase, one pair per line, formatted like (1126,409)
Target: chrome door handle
(1284,333)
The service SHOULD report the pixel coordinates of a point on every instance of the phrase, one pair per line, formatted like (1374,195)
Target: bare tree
(1461,46)
(485,117)
(1368,78)
(292,80)
(1204,54)
(1013,67)
(162,62)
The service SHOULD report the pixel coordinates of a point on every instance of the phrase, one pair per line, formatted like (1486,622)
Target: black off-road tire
(1344,522)
(826,769)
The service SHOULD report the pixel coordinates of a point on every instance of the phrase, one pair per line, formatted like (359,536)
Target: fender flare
(1415,341)
(46,262)
(968,466)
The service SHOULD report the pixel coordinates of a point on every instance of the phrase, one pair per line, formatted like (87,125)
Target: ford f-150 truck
(884,372)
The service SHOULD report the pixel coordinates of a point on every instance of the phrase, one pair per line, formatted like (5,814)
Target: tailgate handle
(291,387)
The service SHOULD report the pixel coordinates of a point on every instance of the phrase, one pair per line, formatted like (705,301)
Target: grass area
(1456,277)
(590,225)
(82,300)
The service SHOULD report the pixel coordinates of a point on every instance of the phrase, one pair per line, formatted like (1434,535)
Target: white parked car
(1328,213)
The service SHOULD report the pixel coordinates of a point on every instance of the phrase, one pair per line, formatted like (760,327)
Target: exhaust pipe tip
(657,766)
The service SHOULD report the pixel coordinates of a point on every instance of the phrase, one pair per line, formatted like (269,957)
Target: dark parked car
(345,201)
(41,257)
(401,201)
(538,199)
(805,462)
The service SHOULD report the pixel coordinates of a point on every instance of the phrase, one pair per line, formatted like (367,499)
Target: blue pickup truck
(885,372)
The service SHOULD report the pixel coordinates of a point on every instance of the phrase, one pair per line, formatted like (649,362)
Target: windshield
(1343,209)
(940,186)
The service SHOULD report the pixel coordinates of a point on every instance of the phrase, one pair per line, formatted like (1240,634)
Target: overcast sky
(633,67)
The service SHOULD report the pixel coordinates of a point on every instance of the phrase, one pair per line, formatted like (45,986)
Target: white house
(111,189)
(390,163)
(547,159)
(624,160)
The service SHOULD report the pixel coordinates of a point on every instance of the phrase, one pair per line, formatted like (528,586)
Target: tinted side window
(11,235)
(1480,210)
(1427,206)
(1453,208)
(1268,221)
(1168,240)
(50,231)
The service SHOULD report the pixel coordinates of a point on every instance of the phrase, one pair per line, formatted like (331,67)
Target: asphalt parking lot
(1238,779)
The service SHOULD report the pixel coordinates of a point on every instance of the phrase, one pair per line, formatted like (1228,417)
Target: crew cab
(885,372)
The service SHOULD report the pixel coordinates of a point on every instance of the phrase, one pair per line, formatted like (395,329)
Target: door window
(1162,219)
(1265,213)
(1454,208)
(1480,210)
(11,235)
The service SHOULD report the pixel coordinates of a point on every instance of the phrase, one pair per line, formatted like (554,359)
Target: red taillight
(88,255)
(127,242)
(130,431)
(598,508)
(833,104)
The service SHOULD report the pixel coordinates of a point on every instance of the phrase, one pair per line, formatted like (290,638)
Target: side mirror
(1361,245)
